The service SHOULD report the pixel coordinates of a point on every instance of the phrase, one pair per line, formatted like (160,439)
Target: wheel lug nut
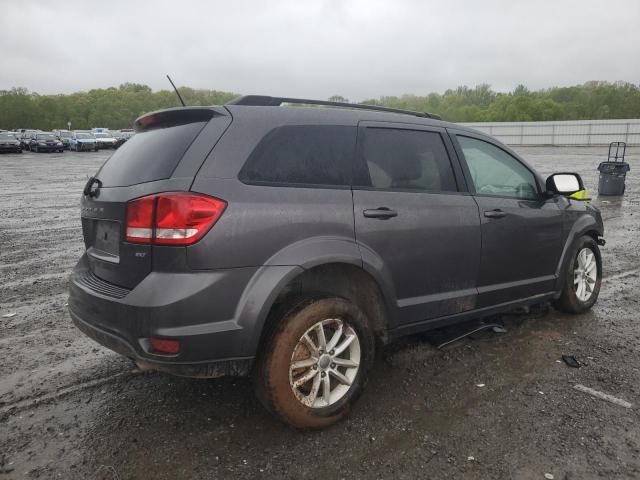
(332,352)
(333,365)
(323,374)
(315,366)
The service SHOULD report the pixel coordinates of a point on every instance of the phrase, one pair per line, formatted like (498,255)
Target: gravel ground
(72,409)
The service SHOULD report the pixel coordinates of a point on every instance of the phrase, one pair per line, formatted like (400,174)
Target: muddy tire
(582,277)
(303,383)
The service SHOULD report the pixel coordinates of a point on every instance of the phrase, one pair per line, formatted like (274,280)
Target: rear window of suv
(299,155)
(149,156)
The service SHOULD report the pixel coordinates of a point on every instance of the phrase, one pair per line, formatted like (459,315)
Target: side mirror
(567,184)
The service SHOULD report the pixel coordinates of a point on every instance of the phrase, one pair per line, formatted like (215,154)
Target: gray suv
(286,242)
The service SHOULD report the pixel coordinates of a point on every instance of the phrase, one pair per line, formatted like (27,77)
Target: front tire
(582,277)
(314,361)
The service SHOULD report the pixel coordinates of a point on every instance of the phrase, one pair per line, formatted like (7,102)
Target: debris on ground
(603,396)
(495,327)
(9,315)
(571,361)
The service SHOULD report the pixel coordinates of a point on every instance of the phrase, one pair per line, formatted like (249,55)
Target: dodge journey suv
(287,242)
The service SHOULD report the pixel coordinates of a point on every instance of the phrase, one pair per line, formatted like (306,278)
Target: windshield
(83,136)
(103,135)
(6,136)
(64,134)
(45,136)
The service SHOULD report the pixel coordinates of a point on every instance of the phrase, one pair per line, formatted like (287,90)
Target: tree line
(119,107)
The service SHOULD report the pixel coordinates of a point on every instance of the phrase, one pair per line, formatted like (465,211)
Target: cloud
(358,49)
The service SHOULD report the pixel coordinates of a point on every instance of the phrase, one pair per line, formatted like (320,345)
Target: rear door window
(402,159)
(302,155)
(149,156)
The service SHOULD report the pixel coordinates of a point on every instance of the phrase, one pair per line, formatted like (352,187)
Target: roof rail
(266,101)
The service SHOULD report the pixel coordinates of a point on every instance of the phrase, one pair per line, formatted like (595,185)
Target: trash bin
(612,178)
(613,172)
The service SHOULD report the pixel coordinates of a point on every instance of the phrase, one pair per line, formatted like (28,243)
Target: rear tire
(335,376)
(582,277)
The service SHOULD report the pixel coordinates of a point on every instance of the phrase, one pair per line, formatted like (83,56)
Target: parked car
(26,137)
(127,133)
(45,142)
(119,138)
(83,141)
(65,137)
(284,242)
(9,143)
(105,140)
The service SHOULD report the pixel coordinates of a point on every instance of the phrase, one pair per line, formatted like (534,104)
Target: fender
(258,298)
(271,279)
(373,264)
(314,251)
(279,270)
(580,227)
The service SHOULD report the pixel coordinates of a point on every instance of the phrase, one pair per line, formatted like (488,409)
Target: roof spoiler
(173,117)
(266,101)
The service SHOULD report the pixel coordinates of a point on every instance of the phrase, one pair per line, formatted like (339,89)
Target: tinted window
(406,160)
(495,172)
(302,154)
(149,156)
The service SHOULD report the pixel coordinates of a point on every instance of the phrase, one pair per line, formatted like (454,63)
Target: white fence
(577,132)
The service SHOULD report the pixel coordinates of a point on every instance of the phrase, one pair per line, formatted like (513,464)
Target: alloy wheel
(585,274)
(324,363)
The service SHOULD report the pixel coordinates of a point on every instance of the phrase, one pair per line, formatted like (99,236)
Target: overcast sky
(358,49)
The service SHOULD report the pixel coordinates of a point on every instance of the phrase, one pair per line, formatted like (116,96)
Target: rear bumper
(209,369)
(197,309)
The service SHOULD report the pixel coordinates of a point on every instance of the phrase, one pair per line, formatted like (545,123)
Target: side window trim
(360,169)
(454,134)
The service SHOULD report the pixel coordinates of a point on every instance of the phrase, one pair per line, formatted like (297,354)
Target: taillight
(172,218)
(140,220)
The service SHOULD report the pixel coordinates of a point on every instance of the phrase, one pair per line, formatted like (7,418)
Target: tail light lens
(140,220)
(172,218)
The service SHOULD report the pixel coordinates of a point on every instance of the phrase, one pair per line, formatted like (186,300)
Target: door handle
(497,213)
(380,212)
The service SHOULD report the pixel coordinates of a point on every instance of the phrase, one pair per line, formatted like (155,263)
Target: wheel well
(593,234)
(342,280)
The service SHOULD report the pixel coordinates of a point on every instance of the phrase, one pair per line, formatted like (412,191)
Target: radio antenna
(177,92)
